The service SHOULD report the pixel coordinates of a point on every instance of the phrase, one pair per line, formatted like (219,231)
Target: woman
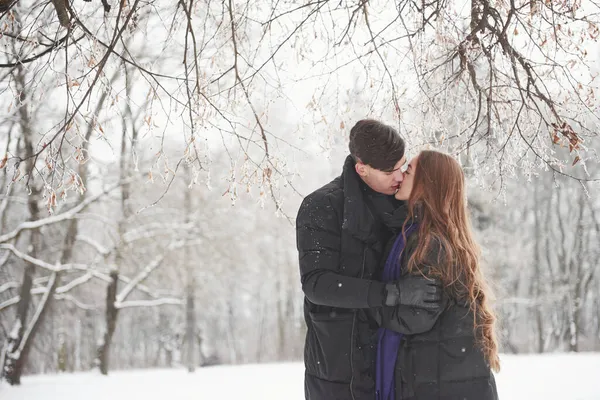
(447,354)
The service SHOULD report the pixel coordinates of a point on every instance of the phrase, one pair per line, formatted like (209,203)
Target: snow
(524,377)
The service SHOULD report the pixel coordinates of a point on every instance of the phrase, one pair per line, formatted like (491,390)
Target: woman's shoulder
(435,253)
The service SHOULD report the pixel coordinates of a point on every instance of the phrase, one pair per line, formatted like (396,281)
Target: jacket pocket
(328,353)
(461,358)
(424,367)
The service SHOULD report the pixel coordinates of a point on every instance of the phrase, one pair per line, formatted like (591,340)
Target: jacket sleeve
(412,320)
(318,236)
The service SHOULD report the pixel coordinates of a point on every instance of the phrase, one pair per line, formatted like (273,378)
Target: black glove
(414,291)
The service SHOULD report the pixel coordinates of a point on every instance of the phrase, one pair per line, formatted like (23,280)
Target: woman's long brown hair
(438,201)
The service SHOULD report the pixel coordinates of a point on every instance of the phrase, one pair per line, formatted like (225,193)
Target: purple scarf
(389,341)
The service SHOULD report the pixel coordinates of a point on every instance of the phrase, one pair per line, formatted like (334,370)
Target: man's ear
(362,169)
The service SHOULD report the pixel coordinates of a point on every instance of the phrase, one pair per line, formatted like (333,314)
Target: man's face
(381,181)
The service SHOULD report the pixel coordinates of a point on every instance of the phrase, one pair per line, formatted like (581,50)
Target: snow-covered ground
(532,377)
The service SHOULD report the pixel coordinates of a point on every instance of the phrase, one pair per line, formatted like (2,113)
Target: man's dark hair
(376,144)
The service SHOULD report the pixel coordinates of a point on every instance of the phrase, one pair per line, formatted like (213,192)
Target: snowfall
(523,377)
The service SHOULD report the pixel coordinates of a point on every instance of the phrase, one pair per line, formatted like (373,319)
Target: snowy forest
(153,155)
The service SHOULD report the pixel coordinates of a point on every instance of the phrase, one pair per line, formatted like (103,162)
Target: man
(340,239)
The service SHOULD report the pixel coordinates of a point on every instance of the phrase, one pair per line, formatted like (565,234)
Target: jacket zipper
(362,274)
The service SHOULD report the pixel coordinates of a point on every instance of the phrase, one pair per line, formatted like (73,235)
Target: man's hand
(414,291)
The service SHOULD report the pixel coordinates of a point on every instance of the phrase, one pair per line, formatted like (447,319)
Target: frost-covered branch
(9,302)
(102,250)
(8,285)
(43,264)
(75,282)
(54,219)
(149,303)
(78,303)
(143,274)
(38,313)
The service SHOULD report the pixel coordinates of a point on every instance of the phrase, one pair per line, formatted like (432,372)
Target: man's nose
(399,176)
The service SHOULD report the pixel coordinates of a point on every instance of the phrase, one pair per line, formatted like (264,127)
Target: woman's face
(406,186)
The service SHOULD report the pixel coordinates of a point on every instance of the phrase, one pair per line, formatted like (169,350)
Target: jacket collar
(358,218)
(395,220)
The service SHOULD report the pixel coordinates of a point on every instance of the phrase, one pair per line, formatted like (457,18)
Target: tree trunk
(14,359)
(577,276)
(281,318)
(13,362)
(111,323)
(261,322)
(66,254)
(190,312)
(190,337)
(103,351)
(538,270)
(233,351)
